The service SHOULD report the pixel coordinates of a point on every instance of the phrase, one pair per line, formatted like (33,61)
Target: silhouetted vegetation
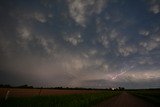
(9,86)
(151,95)
(74,100)
(5,86)
(25,86)
(61,88)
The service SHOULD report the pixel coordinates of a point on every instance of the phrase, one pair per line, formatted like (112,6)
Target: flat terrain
(54,98)
(81,98)
(15,92)
(125,100)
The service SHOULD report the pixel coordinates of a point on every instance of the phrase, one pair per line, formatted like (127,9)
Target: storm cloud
(80,43)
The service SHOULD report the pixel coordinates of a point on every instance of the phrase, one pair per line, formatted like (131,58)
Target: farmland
(148,95)
(126,99)
(23,97)
(18,92)
(52,97)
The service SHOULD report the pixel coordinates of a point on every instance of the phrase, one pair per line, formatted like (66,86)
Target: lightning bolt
(123,71)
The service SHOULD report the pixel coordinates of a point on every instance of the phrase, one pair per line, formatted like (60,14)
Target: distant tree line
(60,88)
(5,86)
(9,86)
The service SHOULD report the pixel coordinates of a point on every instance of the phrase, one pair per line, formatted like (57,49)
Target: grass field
(152,96)
(22,92)
(66,100)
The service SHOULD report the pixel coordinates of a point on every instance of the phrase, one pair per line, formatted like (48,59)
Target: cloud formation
(74,38)
(155,6)
(81,10)
(80,43)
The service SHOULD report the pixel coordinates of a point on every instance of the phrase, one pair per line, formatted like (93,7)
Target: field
(53,98)
(18,97)
(128,99)
(16,92)
(152,96)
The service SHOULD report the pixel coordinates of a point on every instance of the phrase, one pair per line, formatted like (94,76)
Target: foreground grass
(148,95)
(78,100)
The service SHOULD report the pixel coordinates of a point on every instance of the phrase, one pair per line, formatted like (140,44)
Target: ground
(125,100)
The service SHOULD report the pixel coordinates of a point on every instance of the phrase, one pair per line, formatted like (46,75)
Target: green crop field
(74,100)
(148,95)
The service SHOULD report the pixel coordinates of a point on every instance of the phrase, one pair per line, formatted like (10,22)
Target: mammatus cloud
(149,45)
(104,40)
(28,15)
(40,17)
(127,50)
(154,6)
(144,32)
(74,39)
(27,35)
(81,10)
(146,60)
(80,43)
(24,32)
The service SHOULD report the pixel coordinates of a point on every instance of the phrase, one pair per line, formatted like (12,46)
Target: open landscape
(152,95)
(79,53)
(53,97)
(133,99)
(78,98)
(14,92)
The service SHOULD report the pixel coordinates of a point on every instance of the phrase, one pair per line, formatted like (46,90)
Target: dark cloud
(90,43)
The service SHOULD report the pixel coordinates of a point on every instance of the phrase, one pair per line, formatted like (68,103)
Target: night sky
(80,43)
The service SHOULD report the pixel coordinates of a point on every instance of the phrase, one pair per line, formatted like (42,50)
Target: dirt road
(125,100)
